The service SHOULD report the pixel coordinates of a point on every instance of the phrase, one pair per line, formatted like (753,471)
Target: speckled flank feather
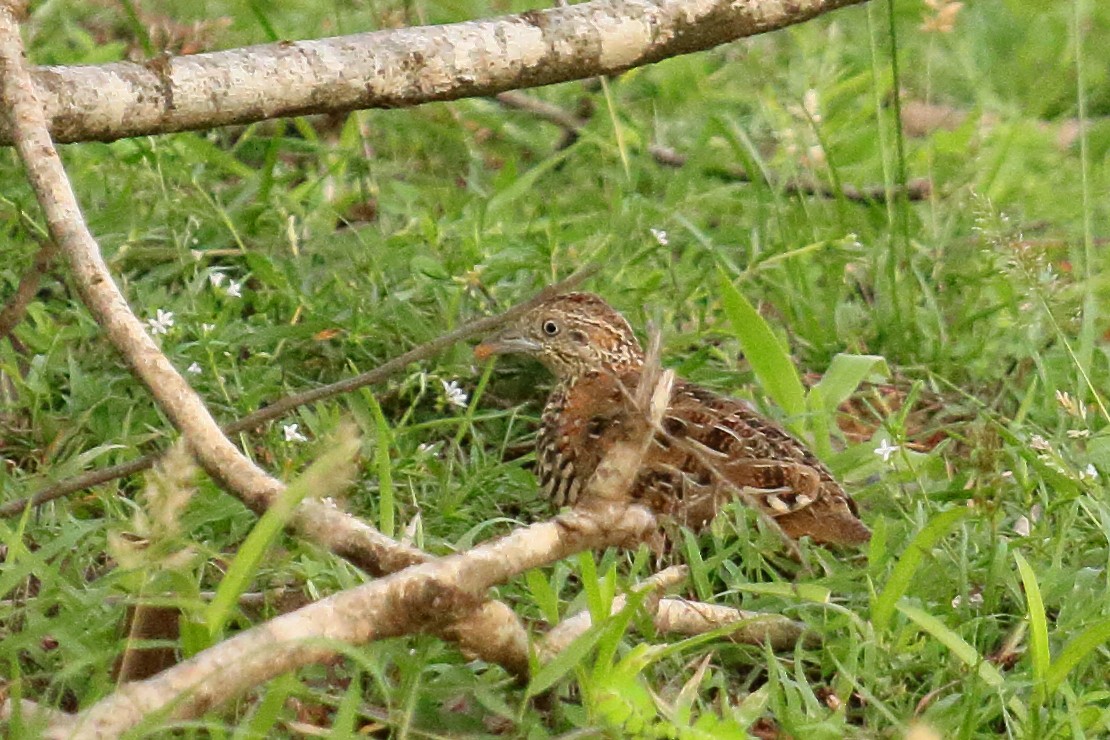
(712,445)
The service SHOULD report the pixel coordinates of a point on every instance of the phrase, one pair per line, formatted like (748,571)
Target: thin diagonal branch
(285,405)
(918,189)
(16,307)
(572,126)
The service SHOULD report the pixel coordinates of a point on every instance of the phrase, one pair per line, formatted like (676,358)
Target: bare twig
(395,68)
(493,631)
(285,405)
(16,307)
(918,189)
(423,598)
(542,109)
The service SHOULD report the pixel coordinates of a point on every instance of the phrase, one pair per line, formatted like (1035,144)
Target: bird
(711,448)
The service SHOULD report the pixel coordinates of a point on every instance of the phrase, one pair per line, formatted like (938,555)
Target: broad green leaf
(699,575)
(1038,624)
(899,582)
(617,626)
(592,586)
(769,359)
(543,594)
(565,662)
(844,375)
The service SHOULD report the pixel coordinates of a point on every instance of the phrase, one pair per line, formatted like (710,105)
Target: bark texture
(394,68)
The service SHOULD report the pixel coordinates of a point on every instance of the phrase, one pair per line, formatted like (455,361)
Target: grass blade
(768,357)
(1038,625)
(960,647)
(899,582)
(1080,646)
(325,476)
(384,467)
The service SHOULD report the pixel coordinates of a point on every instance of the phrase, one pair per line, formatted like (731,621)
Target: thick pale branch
(422,598)
(563,634)
(395,68)
(683,617)
(679,616)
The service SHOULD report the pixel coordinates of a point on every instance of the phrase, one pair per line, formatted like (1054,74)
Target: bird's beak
(507,342)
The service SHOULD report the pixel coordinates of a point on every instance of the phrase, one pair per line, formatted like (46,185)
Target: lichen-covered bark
(396,68)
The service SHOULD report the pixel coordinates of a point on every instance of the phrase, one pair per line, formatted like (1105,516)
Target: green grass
(978,306)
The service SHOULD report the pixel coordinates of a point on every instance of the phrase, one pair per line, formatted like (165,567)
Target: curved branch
(493,631)
(395,68)
(422,598)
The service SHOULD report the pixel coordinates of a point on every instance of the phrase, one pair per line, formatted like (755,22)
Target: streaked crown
(570,334)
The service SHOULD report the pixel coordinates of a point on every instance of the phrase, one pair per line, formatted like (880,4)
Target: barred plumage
(712,445)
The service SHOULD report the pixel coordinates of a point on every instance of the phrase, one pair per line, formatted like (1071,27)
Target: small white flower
(1022,526)
(1039,443)
(217,279)
(886,449)
(456,396)
(1089,473)
(812,104)
(974,600)
(427,449)
(292,433)
(207,328)
(161,323)
(1079,433)
(661,237)
(194,369)
(235,289)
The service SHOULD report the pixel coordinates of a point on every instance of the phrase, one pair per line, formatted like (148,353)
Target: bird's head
(570,334)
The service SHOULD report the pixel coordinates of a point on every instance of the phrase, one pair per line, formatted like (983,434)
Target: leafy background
(980,608)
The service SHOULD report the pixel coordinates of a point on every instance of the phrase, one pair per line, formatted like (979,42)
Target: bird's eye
(550,328)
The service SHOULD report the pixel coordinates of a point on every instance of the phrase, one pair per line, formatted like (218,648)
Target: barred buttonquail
(710,447)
